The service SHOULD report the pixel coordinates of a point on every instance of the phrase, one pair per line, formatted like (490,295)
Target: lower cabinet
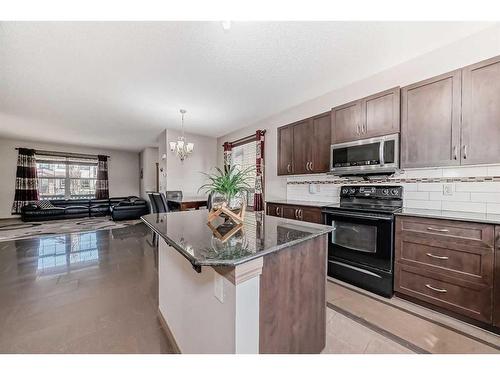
(449,264)
(496,291)
(295,212)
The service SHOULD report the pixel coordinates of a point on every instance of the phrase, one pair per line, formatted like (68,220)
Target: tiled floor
(96,292)
(358,319)
(92,292)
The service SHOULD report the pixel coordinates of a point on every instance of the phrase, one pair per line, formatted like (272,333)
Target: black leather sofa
(122,208)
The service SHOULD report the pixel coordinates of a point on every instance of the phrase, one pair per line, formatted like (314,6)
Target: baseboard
(168,333)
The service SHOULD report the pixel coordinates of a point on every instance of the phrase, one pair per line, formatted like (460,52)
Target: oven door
(361,238)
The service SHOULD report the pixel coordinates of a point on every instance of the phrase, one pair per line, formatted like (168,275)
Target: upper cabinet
(346,122)
(322,129)
(481,113)
(372,116)
(452,119)
(430,122)
(285,150)
(304,146)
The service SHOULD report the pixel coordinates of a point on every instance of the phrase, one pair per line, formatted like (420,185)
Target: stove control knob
(352,190)
(394,191)
(345,190)
(385,192)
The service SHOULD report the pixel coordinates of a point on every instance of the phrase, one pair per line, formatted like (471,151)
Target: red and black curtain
(102,184)
(26,180)
(258,204)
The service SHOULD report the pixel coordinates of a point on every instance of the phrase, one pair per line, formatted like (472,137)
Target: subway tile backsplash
(470,189)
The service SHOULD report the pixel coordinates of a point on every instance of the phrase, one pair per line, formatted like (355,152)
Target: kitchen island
(254,288)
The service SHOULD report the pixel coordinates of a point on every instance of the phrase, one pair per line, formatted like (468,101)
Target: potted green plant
(229,186)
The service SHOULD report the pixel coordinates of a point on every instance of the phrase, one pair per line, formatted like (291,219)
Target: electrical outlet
(448,189)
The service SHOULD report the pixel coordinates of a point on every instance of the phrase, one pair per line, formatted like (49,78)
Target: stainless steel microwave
(379,155)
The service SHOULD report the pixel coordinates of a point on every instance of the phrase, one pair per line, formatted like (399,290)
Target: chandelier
(182,148)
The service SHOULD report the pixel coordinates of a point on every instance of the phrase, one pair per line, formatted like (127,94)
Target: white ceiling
(119,84)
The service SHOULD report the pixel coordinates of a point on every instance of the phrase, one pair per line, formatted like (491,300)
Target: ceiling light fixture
(182,148)
(226,25)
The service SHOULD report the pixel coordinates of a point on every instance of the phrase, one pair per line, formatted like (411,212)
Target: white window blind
(67,177)
(243,157)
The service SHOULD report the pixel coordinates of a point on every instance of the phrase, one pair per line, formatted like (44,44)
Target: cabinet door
(302,147)
(430,122)
(381,114)
(290,212)
(311,215)
(322,128)
(285,150)
(274,209)
(481,113)
(346,122)
(496,288)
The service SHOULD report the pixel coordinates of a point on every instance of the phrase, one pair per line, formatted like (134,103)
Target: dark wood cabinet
(481,113)
(303,139)
(322,129)
(446,263)
(496,288)
(373,116)
(285,150)
(296,212)
(274,209)
(304,146)
(452,119)
(430,122)
(346,122)
(381,113)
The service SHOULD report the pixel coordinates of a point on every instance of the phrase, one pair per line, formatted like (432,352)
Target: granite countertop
(451,215)
(188,233)
(300,203)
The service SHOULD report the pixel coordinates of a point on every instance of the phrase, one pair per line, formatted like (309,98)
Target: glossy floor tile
(93,292)
(407,325)
(96,292)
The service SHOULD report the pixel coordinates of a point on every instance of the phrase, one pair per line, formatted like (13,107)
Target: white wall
(187,175)
(475,48)
(123,169)
(148,159)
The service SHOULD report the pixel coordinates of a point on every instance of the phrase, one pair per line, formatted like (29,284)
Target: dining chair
(154,208)
(160,202)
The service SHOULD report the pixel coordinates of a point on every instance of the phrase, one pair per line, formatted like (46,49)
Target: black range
(361,245)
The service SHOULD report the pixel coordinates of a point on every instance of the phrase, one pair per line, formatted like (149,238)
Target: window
(243,156)
(66,177)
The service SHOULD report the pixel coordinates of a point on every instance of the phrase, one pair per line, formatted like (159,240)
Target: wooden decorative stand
(237,218)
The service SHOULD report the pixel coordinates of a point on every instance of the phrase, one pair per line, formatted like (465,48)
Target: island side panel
(293,299)
(199,322)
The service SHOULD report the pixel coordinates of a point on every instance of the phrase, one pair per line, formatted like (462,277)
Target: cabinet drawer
(469,299)
(466,233)
(474,264)
(274,209)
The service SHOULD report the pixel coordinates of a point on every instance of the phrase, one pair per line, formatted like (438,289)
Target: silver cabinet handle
(465,151)
(300,214)
(311,166)
(437,230)
(455,155)
(289,168)
(436,256)
(296,213)
(307,166)
(435,289)
(278,211)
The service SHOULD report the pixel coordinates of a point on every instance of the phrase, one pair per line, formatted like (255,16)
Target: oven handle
(358,216)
